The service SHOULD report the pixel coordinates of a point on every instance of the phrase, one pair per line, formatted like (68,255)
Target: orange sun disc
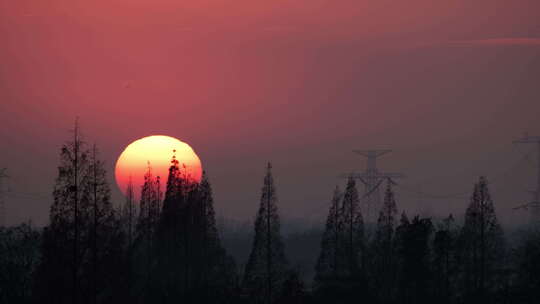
(156,151)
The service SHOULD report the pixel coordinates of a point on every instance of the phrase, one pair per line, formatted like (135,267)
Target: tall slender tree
(129,213)
(482,245)
(192,266)
(106,232)
(353,228)
(146,228)
(340,273)
(327,267)
(216,269)
(171,278)
(128,219)
(266,268)
(83,223)
(62,236)
(148,207)
(385,261)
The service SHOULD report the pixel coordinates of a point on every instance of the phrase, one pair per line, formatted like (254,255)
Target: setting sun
(156,151)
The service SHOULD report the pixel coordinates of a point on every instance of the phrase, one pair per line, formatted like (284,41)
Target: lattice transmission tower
(372,178)
(534,205)
(3,177)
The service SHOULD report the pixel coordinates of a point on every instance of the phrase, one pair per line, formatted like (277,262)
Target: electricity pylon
(534,205)
(3,176)
(372,179)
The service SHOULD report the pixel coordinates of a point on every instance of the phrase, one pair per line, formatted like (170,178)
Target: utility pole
(372,179)
(3,176)
(534,205)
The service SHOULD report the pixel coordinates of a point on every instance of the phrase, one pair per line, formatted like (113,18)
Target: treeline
(166,248)
(415,260)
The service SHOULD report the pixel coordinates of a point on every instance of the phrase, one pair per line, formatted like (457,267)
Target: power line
(534,205)
(463,194)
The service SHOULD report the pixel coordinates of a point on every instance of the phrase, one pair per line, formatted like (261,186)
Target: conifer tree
(353,229)
(327,267)
(267,266)
(172,277)
(106,234)
(481,244)
(80,248)
(192,266)
(60,268)
(384,251)
(216,269)
(145,229)
(149,207)
(129,213)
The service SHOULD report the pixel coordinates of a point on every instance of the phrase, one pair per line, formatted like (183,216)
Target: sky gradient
(446,84)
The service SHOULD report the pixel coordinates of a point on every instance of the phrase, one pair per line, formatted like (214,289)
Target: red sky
(446,84)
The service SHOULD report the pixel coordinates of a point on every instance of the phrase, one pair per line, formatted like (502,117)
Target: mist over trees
(170,248)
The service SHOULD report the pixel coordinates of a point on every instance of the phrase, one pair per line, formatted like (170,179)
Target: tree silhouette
(129,213)
(293,291)
(19,258)
(353,229)
(340,271)
(171,279)
(145,230)
(129,217)
(413,246)
(481,244)
(444,260)
(384,272)
(214,268)
(527,263)
(267,266)
(191,266)
(81,218)
(107,236)
(71,190)
(327,267)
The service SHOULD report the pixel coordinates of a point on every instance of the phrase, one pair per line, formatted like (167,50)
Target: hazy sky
(446,84)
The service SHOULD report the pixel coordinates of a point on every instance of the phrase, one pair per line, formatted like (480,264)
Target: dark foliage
(170,250)
(413,246)
(20,255)
(190,264)
(340,269)
(267,267)
(481,248)
(81,247)
(444,264)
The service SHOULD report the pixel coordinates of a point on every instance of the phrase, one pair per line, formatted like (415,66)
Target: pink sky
(300,83)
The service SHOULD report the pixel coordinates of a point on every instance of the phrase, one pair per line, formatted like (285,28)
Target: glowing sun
(156,151)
